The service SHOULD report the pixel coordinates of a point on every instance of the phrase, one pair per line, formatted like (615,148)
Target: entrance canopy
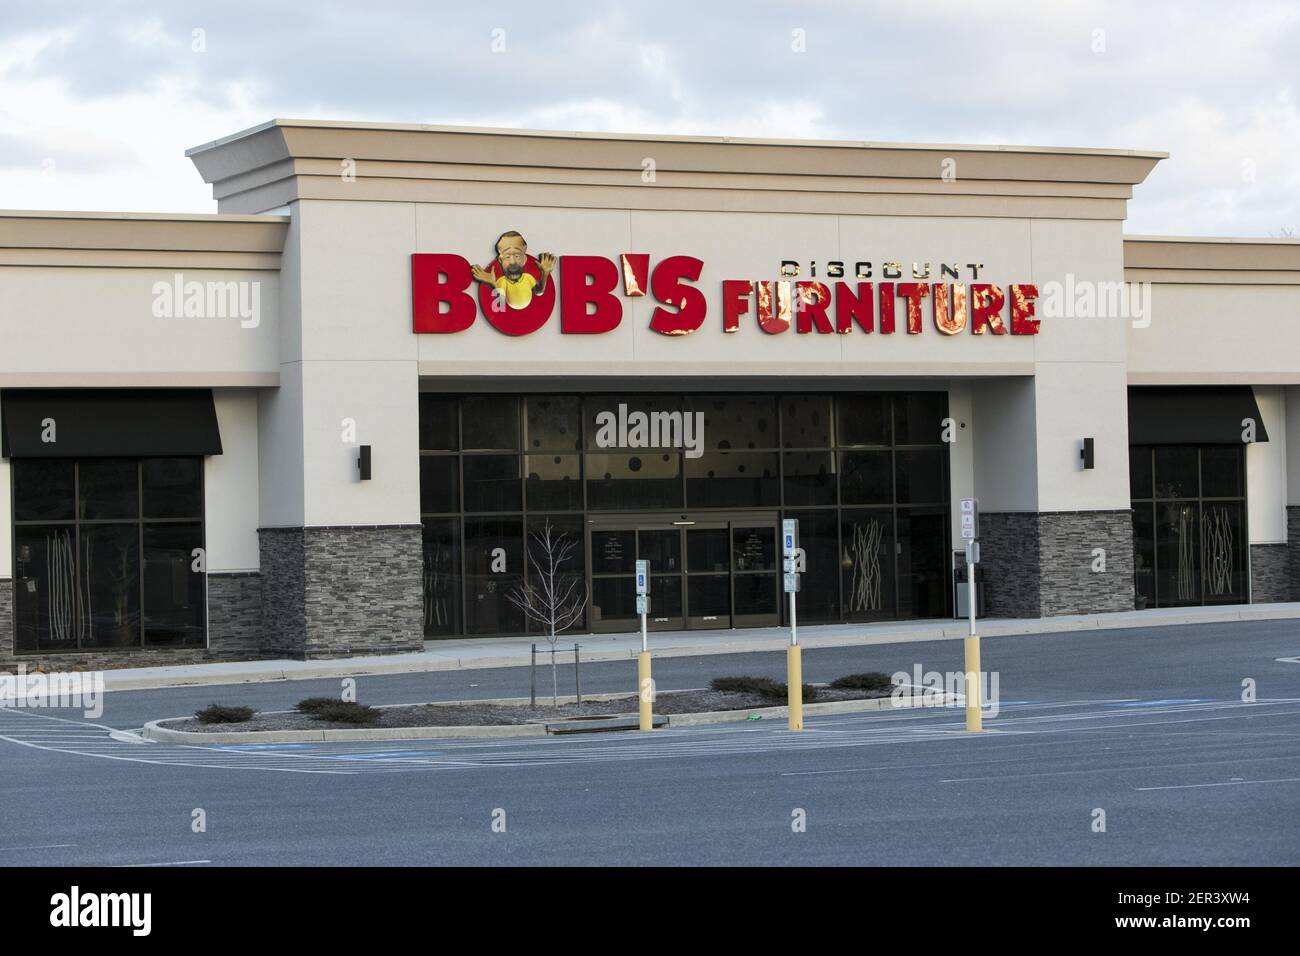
(109,423)
(1199,415)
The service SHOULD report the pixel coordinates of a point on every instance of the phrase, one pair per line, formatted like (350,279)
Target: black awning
(1192,415)
(109,423)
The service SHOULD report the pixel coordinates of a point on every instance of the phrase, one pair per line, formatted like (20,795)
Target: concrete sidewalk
(514,652)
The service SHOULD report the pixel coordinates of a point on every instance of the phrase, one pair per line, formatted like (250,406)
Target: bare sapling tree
(554,596)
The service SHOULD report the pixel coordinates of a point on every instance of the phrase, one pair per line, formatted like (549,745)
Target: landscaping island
(758,696)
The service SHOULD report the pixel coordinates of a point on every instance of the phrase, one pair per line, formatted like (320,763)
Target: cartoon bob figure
(515,274)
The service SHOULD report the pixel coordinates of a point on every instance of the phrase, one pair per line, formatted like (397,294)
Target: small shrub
(872,680)
(220,714)
(763,686)
(312,704)
(773,690)
(346,712)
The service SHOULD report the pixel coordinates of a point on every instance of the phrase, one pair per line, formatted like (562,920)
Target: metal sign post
(645,682)
(792,564)
(970,516)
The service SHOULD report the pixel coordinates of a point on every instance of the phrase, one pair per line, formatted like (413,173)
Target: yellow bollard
(794,684)
(646,684)
(974,718)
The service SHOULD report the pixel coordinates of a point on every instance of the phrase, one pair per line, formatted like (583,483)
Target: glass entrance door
(708,576)
(614,553)
(662,547)
(705,571)
(756,574)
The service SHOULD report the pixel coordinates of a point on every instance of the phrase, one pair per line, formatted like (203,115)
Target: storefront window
(1139,473)
(634,481)
(819,599)
(1222,547)
(806,421)
(439,423)
(45,588)
(553,423)
(1175,472)
(442,577)
(919,418)
(105,553)
(809,477)
(494,567)
(696,484)
(1177,557)
(172,591)
(736,422)
(492,483)
(171,487)
(1221,472)
(439,484)
(490,423)
(864,420)
(867,477)
(554,482)
(921,476)
(867,563)
(108,488)
(45,490)
(732,479)
(922,561)
(1189,532)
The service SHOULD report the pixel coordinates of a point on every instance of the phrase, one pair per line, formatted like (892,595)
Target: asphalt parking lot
(1109,748)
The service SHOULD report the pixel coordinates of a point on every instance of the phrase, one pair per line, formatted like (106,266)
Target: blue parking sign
(789,535)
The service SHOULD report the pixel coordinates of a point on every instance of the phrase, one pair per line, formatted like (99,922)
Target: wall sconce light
(1086,453)
(363,462)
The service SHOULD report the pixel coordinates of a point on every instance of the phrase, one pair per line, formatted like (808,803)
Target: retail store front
(331,419)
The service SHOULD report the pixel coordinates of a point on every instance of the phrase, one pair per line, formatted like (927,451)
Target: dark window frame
(139,521)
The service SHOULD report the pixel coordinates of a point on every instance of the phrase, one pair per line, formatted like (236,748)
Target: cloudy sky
(99,100)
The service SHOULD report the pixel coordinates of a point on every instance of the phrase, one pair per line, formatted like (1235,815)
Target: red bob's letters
(591,289)
(439,280)
(588,305)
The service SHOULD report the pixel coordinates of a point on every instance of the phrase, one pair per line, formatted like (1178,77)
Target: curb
(158,734)
(152,731)
(947,630)
(810,710)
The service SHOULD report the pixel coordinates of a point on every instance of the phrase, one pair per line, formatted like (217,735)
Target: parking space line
(1226,783)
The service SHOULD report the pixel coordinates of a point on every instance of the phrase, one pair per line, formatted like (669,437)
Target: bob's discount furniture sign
(517,294)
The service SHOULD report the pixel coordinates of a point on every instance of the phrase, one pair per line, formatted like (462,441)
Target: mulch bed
(471,714)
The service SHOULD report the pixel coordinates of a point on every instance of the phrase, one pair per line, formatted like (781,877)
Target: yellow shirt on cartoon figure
(518,294)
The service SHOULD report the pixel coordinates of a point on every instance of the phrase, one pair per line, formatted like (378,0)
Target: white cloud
(115,99)
(120,152)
